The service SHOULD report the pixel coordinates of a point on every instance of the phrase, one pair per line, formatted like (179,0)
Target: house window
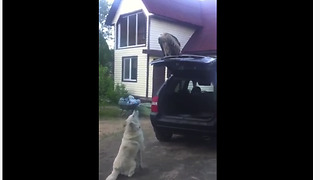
(132,30)
(129,69)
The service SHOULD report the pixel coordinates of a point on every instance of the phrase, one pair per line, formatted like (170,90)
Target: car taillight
(154,104)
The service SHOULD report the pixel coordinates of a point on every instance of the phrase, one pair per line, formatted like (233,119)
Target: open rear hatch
(176,106)
(187,65)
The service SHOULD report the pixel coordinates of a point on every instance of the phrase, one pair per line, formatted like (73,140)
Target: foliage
(107,92)
(103,11)
(104,7)
(144,110)
(105,84)
(119,91)
(105,55)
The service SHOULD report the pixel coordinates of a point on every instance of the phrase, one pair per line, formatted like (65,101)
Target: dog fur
(129,156)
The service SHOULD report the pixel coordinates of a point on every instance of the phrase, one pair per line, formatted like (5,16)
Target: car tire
(163,135)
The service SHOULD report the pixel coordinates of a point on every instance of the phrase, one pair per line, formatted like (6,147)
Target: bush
(119,91)
(108,93)
(105,85)
(144,109)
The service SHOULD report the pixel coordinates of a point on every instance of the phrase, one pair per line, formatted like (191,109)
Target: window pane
(126,68)
(134,68)
(207,88)
(190,86)
(132,30)
(142,28)
(123,32)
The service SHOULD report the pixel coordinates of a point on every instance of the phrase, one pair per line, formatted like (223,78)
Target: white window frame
(136,38)
(130,68)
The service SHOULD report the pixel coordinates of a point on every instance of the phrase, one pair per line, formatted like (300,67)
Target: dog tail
(113,175)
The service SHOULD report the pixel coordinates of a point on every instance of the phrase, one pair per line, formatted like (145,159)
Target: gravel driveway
(184,158)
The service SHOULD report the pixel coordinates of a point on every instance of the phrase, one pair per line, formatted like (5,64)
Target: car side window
(204,88)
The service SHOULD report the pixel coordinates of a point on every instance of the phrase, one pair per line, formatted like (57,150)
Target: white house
(138,24)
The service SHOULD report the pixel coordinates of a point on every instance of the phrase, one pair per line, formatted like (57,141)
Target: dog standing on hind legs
(129,156)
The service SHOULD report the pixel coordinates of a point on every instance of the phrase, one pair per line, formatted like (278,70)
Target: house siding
(157,27)
(135,88)
(128,6)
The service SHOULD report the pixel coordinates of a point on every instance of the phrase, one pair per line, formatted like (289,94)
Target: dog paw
(130,174)
(109,178)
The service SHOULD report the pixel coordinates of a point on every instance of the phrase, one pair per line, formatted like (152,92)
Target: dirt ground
(184,158)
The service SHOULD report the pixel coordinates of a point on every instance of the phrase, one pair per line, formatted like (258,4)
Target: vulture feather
(169,44)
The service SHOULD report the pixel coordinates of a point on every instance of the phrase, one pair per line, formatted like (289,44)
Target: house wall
(157,27)
(127,6)
(135,88)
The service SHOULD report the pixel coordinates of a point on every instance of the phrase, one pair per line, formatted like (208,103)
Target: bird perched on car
(169,44)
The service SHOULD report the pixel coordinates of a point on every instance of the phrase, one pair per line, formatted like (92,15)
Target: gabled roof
(204,40)
(187,11)
(201,13)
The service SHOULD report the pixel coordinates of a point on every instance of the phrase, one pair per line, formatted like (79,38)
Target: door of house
(158,78)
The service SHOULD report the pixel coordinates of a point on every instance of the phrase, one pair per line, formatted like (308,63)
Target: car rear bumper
(181,125)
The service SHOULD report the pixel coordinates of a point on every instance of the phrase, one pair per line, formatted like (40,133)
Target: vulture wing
(169,44)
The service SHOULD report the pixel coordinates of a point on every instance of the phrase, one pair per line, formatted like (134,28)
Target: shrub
(105,84)
(108,93)
(144,109)
(119,91)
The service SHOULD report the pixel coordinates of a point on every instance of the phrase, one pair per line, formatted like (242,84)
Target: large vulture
(169,44)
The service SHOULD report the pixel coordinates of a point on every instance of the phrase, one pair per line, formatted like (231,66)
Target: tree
(106,84)
(105,57)
(107,93)
(103,12)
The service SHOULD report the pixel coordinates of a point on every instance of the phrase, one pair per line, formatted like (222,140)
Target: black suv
(186,102)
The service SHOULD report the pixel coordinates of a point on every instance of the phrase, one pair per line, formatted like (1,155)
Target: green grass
(109,111)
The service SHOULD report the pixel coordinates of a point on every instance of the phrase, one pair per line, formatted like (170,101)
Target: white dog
(130,152)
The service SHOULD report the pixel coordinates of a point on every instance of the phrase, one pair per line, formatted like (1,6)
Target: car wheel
(163,135)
